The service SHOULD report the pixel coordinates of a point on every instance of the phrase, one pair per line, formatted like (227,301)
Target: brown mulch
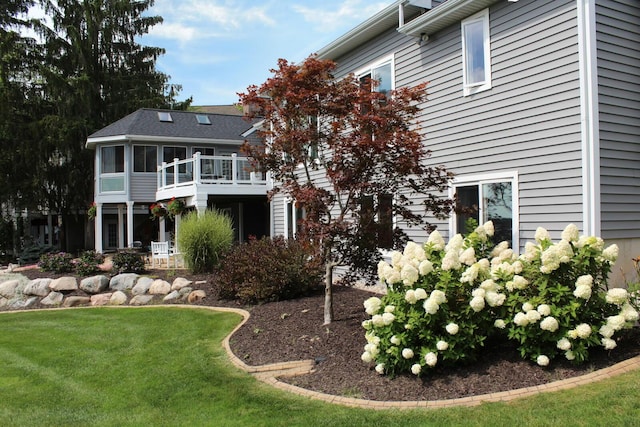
(293,330)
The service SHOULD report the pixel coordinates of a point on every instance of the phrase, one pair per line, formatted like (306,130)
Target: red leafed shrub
(268,270)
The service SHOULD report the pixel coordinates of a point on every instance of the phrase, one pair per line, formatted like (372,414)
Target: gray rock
(65,283)
(123,282)
(118,298)
(38,287)
(159,287)
(75,301)
(173,296)
(179,283)
(9,289)
(184,292)
(53,298)
(142,286)
(20,303)
(94,284)
(141,300)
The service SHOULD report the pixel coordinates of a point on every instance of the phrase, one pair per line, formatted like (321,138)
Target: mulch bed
(293,330)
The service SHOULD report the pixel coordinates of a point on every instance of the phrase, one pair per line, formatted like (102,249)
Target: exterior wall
(618,46)
(529,122)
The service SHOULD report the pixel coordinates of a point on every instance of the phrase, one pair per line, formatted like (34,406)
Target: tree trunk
(328,293)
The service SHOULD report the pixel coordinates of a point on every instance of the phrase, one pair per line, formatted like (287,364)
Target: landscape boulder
(118,298)
(38,287)
(75,301)
(9,288)
(53,298)
(94,284)
(65,283)
(142,286)
(123,281)
(179,283)
(160,287)
(141,300)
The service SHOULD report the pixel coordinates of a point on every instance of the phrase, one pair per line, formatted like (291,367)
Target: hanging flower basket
(92,211)
(175,207)
(157,211)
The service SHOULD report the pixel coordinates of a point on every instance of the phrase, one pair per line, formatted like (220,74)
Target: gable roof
(418,22)
(145,125)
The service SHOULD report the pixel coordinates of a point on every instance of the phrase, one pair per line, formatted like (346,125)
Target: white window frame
(508,176)
(368,70)
(294,225)
(471,88)
(133,153)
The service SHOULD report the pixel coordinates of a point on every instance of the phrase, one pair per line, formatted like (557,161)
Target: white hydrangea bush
(445,299)
(565,307)
(440,306)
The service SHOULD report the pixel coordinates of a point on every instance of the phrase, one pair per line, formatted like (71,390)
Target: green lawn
(166,367)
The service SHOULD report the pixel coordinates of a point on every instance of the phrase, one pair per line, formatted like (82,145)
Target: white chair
(159,252)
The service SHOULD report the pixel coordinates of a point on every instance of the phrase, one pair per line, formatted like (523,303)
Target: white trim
(92,142)
(511,176)
(470,89)
(589,125)
(389,59)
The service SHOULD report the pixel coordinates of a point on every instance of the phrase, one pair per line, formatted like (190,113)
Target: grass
(166,367)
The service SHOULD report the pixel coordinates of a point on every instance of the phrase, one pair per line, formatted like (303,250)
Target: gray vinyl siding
(529,121)
(618,47)
(143,187)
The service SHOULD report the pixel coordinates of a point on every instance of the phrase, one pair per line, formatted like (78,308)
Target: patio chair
(159,252)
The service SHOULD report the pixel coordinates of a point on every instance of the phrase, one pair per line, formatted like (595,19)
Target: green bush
(56,262)
(268,270)
(444,301)
(88,262)
(128,262)
(204,239)
(32,254)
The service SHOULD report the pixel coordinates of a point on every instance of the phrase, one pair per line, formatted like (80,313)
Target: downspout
(589,117)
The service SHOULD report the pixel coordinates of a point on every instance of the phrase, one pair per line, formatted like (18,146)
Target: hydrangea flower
(582,291)
(420,294)
(500,324)
(438,296)
(570,355)
(563,344)
(468,256)
(617,296)
(570,233)
(586,280)
(544,309)
(407,353)
(388,318)
(607,330)
(527,306)
(394,340)
(629,313)
(611,253)
(410,296)
(372,305)
(542,360)
(451,261)
(520,319)
(609,344)
(616,322)
(431,359)
(583,330)
(380,368)
(436,241)
(477,304)
(416,368)
(542,234)
(495,299)
(452,328)
(533,316)
(442,345)
(549,324)
(425,267)
(409,275)
(430,306)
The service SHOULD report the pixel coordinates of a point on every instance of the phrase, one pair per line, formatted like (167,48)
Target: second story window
(145,158)
(112,159)
(379,75)
(476,53)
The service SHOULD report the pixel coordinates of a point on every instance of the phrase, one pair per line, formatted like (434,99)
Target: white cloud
(324,17)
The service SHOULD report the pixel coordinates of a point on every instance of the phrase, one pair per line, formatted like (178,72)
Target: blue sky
(216,48)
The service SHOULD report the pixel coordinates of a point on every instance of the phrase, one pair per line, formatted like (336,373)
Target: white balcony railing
(209,170)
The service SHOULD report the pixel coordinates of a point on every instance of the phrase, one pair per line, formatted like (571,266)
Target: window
(379,75)
(170,153)
(165,116)
(488,200)
(476,53)
(203,119)
(205,151)
(380,227)
(145,158)
(112,159)
(293,215)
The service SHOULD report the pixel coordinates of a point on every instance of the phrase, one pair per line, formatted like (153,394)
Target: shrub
(444,301)
(128,262)
(268,270)
(204,239)
(88,262)
(56,262)
(32,254)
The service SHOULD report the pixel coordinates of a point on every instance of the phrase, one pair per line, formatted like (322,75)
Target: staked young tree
(350,157)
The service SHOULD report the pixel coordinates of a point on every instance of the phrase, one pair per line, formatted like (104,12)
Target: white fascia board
(381,21)
(253,129)
(443,15)
(91,142)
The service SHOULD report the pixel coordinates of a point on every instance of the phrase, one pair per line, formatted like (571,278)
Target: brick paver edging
(269,374)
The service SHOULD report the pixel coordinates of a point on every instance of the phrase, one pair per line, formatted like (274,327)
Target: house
(152,156)
(534,105)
